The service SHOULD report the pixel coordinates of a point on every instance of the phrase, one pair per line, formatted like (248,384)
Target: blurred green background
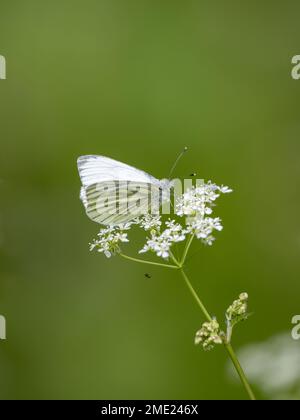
(137,81)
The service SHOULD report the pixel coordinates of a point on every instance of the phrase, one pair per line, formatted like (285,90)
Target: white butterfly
(114,193)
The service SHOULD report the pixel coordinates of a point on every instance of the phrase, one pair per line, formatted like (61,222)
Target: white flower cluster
(109,239)
(203,227)
(195,205)
(197,201)
(160,243)
(151,223)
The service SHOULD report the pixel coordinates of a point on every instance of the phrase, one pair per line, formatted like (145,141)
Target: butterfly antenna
(176,161)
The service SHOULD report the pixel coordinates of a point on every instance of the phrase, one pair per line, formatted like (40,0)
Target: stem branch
(147,262)
(186,249)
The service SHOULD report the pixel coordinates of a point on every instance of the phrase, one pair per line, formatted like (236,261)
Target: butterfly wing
(93,169)
(113,204)
(111,190)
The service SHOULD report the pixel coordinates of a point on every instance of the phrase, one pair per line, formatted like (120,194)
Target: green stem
(186,249)
(175,261)
(240,371)
(227,345)
(148,262)
(196,297)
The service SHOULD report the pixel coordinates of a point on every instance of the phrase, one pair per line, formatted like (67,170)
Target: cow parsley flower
(174,231)
(199,200)
(197,205)
(209,335)
(203,227)
(161,243)
(237,312)
(238,307)
(109,239)
(157,244)
(151,223)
